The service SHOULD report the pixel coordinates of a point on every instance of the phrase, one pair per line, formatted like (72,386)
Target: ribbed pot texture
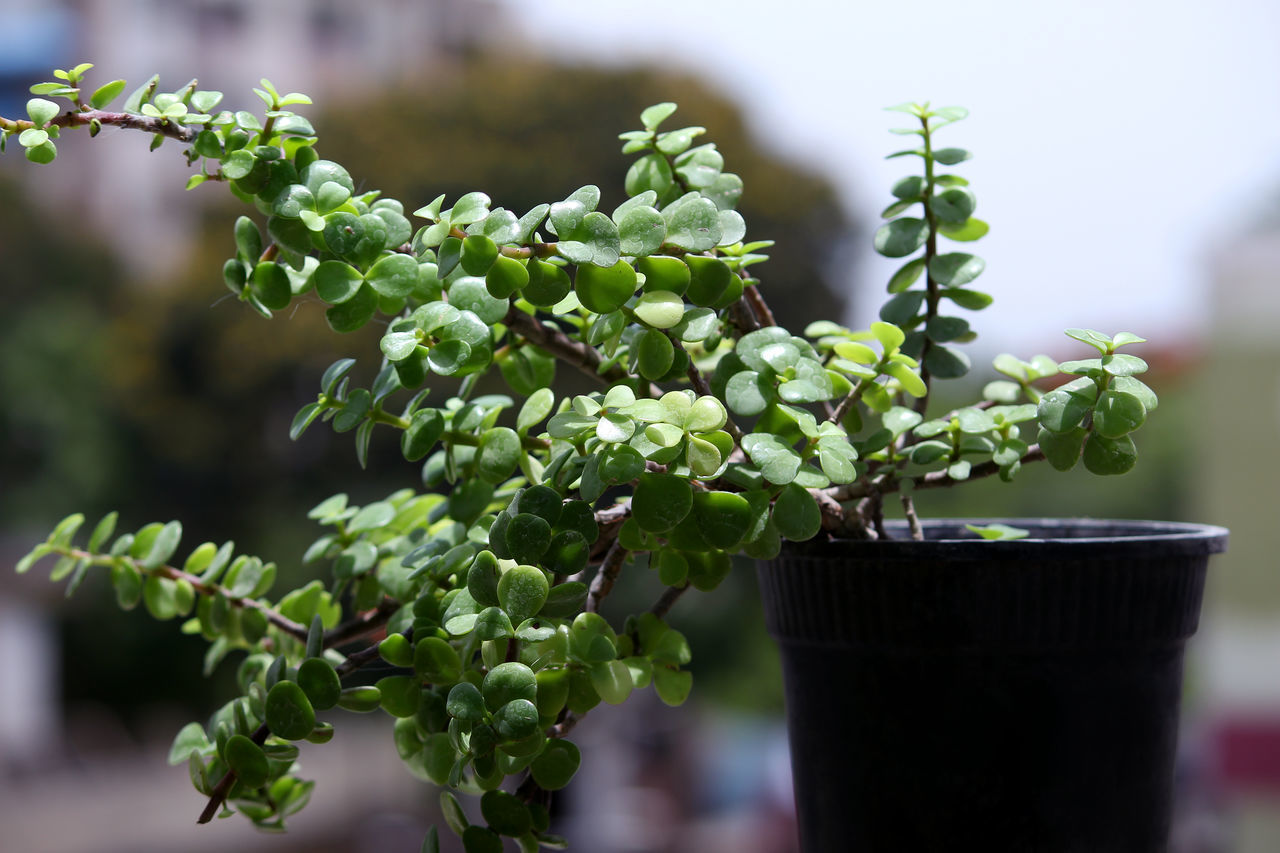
(961,694)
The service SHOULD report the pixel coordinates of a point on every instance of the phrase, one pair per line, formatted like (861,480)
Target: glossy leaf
(661,501)
(901,237)
(289,713)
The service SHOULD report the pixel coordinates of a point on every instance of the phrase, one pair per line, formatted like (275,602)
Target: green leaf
(41,112)
(1103,455)
(796,513)
(35,555)
(970,299)
(661,501)
(956,268)
(163,546)
(651,172)
(191,738)
(664,273)
(655,115)
(946,363)
(425,429)
(709,279)
(1061,449)
(472,207)
(436,661)
(655,354)
(556,765)
(951,156)
(1062,409)
(723,517)
(672,685)
(401,695)
(393,276)
(998,531)
(535,409)
(693,224)
(661,309)
(289,713)
(612,681)
(527,538)
(319,680)
(777,460)
(498,454)
(247,760)
(508,682)
(1118,413)
(605,289)
(953,206)
(901,237)
(964,232)
(505,813)
(902,309)
(372,517)
(906,275)
(1123,365)
(641,231)
(1097,340)
(105,94)
(523,590)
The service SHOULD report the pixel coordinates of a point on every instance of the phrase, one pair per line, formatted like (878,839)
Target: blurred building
(326,48)
(1236,680)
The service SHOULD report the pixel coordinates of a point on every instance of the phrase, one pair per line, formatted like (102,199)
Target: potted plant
(957,685)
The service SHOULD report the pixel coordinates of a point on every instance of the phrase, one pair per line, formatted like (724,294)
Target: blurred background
(1127,157)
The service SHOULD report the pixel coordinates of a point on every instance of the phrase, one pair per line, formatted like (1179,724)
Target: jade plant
(712,432)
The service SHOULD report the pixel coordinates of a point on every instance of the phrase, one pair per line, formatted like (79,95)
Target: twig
(913,520)
(273,616)
(586,359)
(361,624)
(72,118)
(669,597)
(932,480)
(604,580)
(758,307)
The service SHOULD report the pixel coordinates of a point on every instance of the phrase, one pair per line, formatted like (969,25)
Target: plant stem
(586,359)
(930,251)
(274,616)
(669,597)
(73,118)
(604,580)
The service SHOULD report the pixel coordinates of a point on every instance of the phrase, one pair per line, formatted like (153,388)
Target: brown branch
(585,358)
(604,580)
(361,624)
(669,597)
(913,520)
(755,300)
(131,121)
(932,480)
(273,616)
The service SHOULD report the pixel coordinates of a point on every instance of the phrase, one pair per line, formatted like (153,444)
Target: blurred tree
(463,129)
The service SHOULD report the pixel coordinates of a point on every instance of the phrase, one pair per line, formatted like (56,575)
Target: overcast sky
(1117,142)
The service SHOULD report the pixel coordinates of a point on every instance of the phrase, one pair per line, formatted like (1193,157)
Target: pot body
(960,694)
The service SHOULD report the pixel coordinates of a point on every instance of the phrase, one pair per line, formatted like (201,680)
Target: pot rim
(1081,537)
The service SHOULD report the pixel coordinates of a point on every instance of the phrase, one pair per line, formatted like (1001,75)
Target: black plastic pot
(960,694)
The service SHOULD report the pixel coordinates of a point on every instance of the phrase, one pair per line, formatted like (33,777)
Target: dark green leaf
(901,237)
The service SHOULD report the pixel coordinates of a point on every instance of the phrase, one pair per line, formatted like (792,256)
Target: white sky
(1117,142)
